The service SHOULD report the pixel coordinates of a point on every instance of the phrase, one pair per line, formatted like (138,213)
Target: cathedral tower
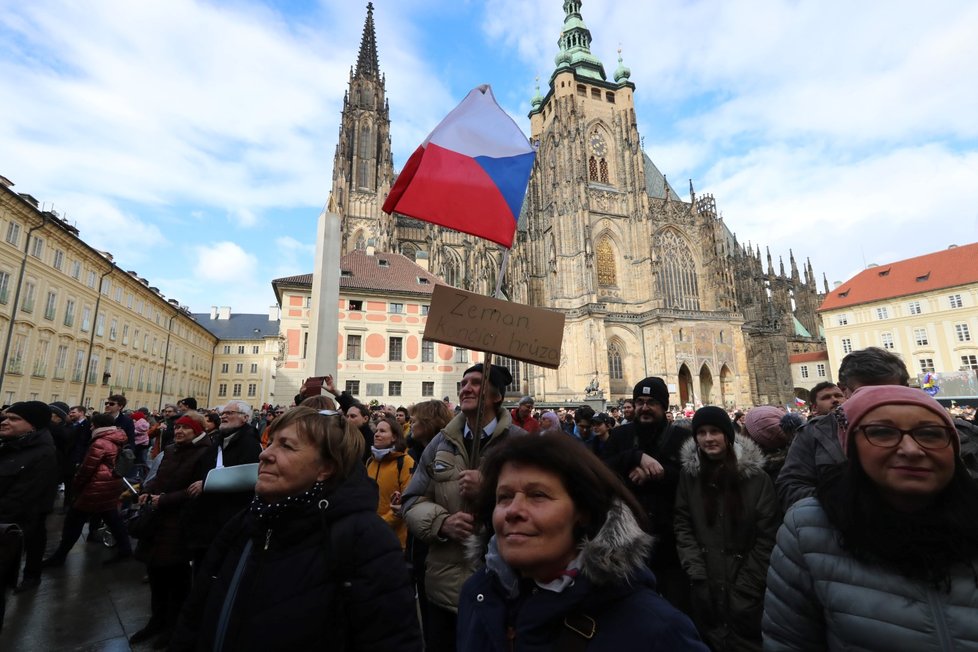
(363,168)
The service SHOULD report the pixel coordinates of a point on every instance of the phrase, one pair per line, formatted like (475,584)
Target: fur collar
(617,552)
(750,459)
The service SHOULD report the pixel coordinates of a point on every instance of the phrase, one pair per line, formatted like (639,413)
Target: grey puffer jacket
(820,598)
(432,496)
(729,560)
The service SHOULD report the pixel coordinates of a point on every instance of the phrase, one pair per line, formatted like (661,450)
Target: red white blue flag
(470,173)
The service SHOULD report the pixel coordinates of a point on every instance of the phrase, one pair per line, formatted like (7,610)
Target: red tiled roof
(942,269)
(385,272)
(814,356)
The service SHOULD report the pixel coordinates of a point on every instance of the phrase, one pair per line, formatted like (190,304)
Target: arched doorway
(726,387)
(685,386)
(706,385)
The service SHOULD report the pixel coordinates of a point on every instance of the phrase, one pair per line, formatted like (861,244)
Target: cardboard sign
(480,323)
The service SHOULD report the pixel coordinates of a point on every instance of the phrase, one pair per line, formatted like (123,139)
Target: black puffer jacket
(28,477)
(331,577)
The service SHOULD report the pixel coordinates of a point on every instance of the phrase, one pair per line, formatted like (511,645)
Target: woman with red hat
(886,553)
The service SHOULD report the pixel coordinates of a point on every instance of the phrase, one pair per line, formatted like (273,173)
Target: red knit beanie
(866,399)
(190,423)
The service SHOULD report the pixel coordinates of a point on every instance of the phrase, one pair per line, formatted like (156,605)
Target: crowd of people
(850,524)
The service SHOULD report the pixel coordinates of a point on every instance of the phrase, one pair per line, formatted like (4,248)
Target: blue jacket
(500,612)
(820,598)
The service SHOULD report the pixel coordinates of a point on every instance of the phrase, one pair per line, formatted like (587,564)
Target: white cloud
(224,262)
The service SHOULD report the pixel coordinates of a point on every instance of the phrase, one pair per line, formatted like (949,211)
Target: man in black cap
(444,481)
(646,456)
(28,479)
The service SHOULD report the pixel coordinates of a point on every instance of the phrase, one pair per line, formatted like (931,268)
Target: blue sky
(194,140)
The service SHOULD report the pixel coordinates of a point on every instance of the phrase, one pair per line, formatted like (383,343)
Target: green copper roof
(575,45)
(622,72)
(800,330)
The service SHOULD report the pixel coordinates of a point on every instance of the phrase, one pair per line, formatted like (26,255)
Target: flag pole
(486,369)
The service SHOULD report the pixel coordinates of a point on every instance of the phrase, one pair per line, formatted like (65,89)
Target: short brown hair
(400,444)
(118,398)
(339,443)
(429,417)
(319,402)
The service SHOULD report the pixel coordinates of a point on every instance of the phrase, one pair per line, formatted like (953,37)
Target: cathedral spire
(367,65)
(575,45)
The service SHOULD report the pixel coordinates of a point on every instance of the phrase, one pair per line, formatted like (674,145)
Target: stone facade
(650,284)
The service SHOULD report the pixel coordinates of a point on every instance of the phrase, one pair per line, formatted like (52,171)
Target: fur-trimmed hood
(617,552)
(750,459)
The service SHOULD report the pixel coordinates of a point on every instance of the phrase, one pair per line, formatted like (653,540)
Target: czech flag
(799,402)
(470,173)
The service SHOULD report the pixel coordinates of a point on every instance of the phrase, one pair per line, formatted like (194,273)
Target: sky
(194,140)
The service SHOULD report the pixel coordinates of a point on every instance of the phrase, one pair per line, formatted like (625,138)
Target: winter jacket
(528,424)
(726,564)
(814,450)
(95,483)
(124,423)
(28,477)
(623,452)
(168,545)
(433,495)
(83,437)
(327,576)
(393,473)
(209,512)
(613,597)
(141,428)
(820,598)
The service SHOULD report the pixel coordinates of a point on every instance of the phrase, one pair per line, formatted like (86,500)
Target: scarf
(380,453)
(267,514)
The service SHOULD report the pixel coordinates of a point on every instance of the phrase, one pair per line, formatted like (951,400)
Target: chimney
(421,260)
(273,313)
(213,312)
(224,312)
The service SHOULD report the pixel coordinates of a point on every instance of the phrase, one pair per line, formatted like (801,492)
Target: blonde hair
(428,418)
(319,403)
(339,443)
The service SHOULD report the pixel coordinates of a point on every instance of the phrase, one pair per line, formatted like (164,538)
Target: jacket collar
(750,459)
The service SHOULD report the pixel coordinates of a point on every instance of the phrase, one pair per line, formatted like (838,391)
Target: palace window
(846,345)
(926,365)
(353,387)
(428,387)
(963,332)
(920,336)
(914,308)
(955,301)
(886,339)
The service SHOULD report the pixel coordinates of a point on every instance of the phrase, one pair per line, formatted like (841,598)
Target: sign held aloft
(481,323)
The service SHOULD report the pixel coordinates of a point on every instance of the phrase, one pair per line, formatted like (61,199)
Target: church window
(603,165)
(592,168)
(610,97)
(607,272)
(614,363)
(677,278)
(451,271)
(409,250)
(514,370)
(582,90)
(596,93)
(363,179)
(365,142)
(361,242)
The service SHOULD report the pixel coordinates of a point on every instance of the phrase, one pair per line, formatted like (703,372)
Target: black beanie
(499,377)
(653,387)
(712,415)
(60,408)
(36,413)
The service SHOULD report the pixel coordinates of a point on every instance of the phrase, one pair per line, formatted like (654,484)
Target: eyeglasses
(230,412)
(110,402)
(278,414)
(929,437)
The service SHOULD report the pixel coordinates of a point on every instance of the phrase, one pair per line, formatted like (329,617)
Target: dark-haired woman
(310,565)
(725,520)
(885,556)
(391,468)
(564,555)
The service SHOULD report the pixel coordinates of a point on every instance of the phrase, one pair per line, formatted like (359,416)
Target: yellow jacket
(390,476)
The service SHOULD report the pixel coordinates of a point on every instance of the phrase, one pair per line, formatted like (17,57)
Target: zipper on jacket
(940,624)
(268,539)
(511,637)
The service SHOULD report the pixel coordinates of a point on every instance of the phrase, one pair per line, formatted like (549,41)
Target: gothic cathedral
(651,285)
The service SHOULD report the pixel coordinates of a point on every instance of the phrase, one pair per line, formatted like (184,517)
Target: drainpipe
(13,310)
(166,358)
(91,340)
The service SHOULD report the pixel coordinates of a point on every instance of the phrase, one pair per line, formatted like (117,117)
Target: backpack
(124,461)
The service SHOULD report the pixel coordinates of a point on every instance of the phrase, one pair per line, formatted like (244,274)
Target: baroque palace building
(650,284)
(76,327)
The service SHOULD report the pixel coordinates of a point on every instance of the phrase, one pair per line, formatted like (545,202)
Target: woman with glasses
(309,565)
(885,556)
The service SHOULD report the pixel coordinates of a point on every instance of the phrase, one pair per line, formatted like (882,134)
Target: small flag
(470,173)
(799,402)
